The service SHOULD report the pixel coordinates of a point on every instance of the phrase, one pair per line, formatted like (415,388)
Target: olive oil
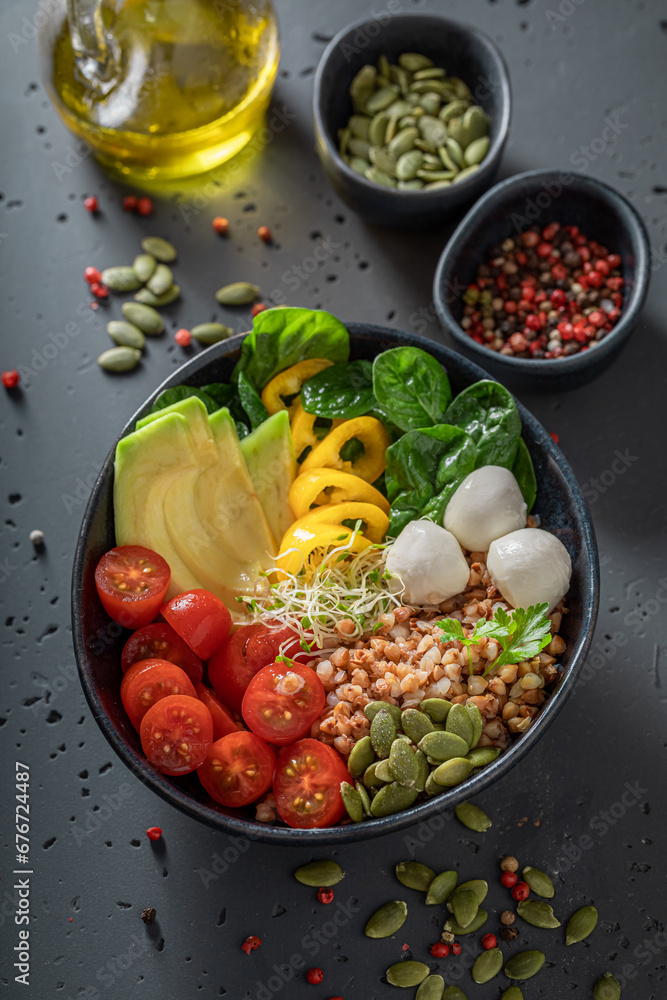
(186,83)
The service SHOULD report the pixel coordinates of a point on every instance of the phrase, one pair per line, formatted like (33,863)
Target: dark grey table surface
(588,805)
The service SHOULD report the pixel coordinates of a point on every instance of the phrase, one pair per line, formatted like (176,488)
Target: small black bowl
(511,207)
(98,641)
(464,51)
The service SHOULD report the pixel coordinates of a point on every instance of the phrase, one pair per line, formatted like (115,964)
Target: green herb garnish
(521,635)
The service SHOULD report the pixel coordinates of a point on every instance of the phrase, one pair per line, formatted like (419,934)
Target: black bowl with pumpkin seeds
(466,54)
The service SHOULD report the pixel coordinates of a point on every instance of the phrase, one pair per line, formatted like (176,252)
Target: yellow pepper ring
(374,521)
(303,429)
(300,543)
(368,466)
(326,486)
(288,384)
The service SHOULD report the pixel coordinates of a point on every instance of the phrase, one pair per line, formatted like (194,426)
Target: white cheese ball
(429,563)
(487,505)
(530,566)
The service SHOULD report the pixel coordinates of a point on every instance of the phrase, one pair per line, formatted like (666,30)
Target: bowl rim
(494,153)
(425,811)
(541,366)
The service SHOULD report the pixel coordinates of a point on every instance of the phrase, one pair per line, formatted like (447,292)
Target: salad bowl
(98,641)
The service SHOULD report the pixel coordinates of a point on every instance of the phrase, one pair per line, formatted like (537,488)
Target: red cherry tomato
(176,734)
(223,723)
(306,784)
(246,651)
(282,701)
(132,582)
(160,640)
(147,681)
(200,618)
(238,769)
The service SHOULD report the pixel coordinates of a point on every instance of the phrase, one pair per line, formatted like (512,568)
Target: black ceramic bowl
(511,207)
(98,641)
(464,52)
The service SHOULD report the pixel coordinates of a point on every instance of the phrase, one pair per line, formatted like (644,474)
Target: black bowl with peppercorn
(544,279)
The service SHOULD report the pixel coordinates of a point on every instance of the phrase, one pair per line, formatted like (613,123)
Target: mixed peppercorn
(548,293)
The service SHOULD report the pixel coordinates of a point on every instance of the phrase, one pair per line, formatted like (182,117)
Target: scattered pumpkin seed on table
(464,905)
(487,965)
(472,817)
(143,266)
(387,920)
(525,964)
(415,875)
(607,988)
(323,873)
(454,993)
(161,280)
(407,974)
(211,333)
(441,888)
(144,317)
(121,279)
(119,359)
(539,882)
(512,993)
(581,924)
(126,334)
(161,249)
(432,988)
(452,927)
(148,298)
(537,913)
(238,293)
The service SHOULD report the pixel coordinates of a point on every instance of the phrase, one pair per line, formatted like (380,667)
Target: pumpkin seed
(436,176)
(476,151)
(358,165)
(382,733)
(487,965)
(119,359)
(148,298)
(378,129)
(581,924)
(370,778)
(425,146)
(441,87)
(383,772)
(473,817)
(211,333)
(392,127)
(143,266)
(475,123)
(524,965)
(381,99)
(453,927)
(438,184)
(441,888)
(433,787)
(392,798)
(455,109)
(415,185)
(121,279)
(432,988)
(430,102)
(352,802)
(461,88)
(465,173)
(432,129)
(359,126)
(239,293)
(403,764)
(422,770)
(361,757)
(431,73)
(408,121)
(387,920)
(398,109)
(453,771)
(459,722)
(481,756)
(607,988)
(478,886)
(363,795)
(400,77)
(363,85)
(513,993)
(147,319)
(415,875)
(454,993)
(383,65)
(539,882)
(360,147)
(437,709)
(477,723)
(442,746)
(126,335)
(161,280)
(373,707)
(537,913)
(407,973)
(413,62)
(415,724)
(380,177)
(402,142)
(446,159)
(381,159)
(455,151)
(464,906)
(322,873)
(161,249)
(344,135)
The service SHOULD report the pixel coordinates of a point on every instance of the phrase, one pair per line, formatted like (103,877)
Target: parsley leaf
(521,634)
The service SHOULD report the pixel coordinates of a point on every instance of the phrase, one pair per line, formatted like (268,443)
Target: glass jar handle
(92,45)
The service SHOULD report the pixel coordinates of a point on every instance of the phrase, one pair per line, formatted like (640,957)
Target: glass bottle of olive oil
(161,89)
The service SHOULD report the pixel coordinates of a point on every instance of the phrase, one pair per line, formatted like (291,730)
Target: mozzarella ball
(487,505)
(429,563)
(530,566)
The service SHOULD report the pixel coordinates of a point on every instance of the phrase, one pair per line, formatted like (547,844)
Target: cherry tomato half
(176,734)
(160,640)
(282,701)
(223,723)
(243,653)
(306,784)
(200,618)
(147,681)
(132,582)
(238,769)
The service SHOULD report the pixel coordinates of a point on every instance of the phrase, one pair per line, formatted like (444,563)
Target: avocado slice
(269,455)
(194,412)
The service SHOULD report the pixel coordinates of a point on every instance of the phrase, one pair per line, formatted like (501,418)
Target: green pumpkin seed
(408,121)
(387,920)
(438,184)
(381,159)
(525,965)
(415,875)
(464,906)
(607,988)
(370,778)
(433,787)
(454,993)
(476,151)
(453,771)
(402,143)
(126,335)
(391,799)
(211,333)
(359,126)
(360,147)
(432,988)
(475,123)
(381,99)
(382,733)
(459,722)
(436,176)
(478,886)
(239,293)
(513,993)
(392,128)
(413,62)
(539,882)
(322,873)
(432,73)
(440,87)
(422,770)
(441,888)
(407,973)
(481,756)
(119,359)
(364,796)
(455,109)
(373,707)
(147,319)
(147,298)
(461,88)
(161,280)
(403,764)
(465,173)
(446,159)
(361,756)
(443,746)
(477,723)
(383,772)
(378,129)
(161,249)
(487,965)
(415,185)
(383,66)
(415,724)
(437,709)
(363,85)
(400,77)
(455,151)
(453,927)
(537,913)
(432,129)
(143,266)
(121,279)
(380,177)
(358,165)
(425,146)
(352,802)
(581,924)
(431,103)
(344,135)
(473,817)
(398,109)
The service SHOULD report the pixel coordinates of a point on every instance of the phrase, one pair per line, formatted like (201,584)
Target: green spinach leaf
(488,413)
(411,387)
(344,390)
(221,392)
(251,402)
(179,392)
(524,473)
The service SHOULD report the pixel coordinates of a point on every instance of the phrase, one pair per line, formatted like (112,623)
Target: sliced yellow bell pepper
(371,435)
(286,385)
(303,430)
(318,487)
(374,521)
(299,546)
